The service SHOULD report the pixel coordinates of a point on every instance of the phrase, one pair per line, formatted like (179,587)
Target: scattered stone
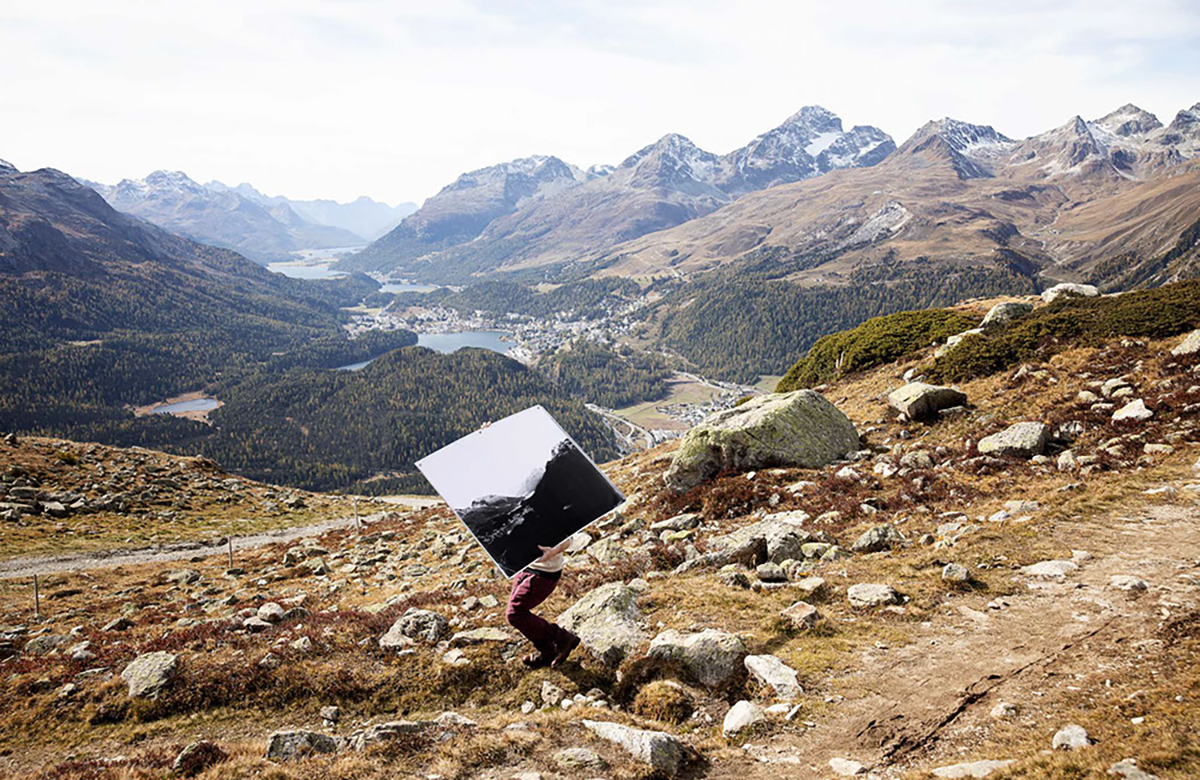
(734,577)
(740,717)
(579,758)
(872,595)
(270,612)
(1067,289)
(920,401)
(811,587)
(879,538)
(46,643)
(1127,768)
(800,428)
(1189,346)
(1005,312)
(416,624)
(712,657)
(182,576)
(845,767)
(955,572)
(683,522)
(197,757)
(1051,570)
(802,614)
(660,750)
(255,624)
(606,621)
(772,672)
(118,624)
(148,674)
(330,714)
(303,644)
(1134,410)
(1004,710)
(1073,737)
(384,732)
(1127,583)
(286,745)
(972,769)
(1023,439)
(453,719)
(770,572)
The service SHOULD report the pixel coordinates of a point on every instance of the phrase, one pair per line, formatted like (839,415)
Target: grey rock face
(286,745)
(1067,289)
(1073,737)
(867,594)
(147,675)
(921,401)
(800,428)
(660,750)
(606,621)
(1023,439)
(1005,312)
(1189,346)
(883,537)
(712,657)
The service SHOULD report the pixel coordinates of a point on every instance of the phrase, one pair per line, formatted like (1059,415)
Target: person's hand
(547,553)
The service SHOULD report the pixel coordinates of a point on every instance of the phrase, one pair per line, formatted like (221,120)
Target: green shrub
(877,341)
(1163,311)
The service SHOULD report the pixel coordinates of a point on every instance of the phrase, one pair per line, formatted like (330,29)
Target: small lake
(194,405)
(300,270)
(494,340)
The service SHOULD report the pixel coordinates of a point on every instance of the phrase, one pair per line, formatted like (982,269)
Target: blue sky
(314,98)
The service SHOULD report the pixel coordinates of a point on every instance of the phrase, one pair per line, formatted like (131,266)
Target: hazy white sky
(393,99)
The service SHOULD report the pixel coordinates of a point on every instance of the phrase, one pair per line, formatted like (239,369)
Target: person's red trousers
(530,589)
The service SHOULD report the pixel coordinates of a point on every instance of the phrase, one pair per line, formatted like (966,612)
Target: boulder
(767,540)
(879,538)
(1134,410)
(845,767)
(740,717)
(606,620)
(286,745)
(774,673)
(1005,312)
(800,428)
(1050,570)
(385,732)
(770,572)
(1023,439)
(1073,737)
(1189,346)
(956,572)
(47,643)
(867,594)
(270,612)
(660,750)
(197,757)
(579,758)
(148,674)
(607,550)
(971,769)
(1067,289)
(920,401)
(1127,769)
(811,587)
(802,614)
(712,657)
(418,624)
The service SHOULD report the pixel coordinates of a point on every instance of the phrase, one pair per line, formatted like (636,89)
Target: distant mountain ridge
(365,217)
(539,211)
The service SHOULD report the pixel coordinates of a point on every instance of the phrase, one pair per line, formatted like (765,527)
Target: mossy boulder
(800,428)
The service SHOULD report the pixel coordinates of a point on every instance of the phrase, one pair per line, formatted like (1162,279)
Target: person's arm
(550,552)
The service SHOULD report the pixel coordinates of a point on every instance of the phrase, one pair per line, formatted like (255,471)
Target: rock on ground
(712,657)
(1023,439)
(1050,570)
(1189,346)
(660,750)
(921,401)
(845,767)
(879,538)
(1005,312)
(867,594)
(972,769)
(774,673)
(1134,410)
(579,758)
(147,675)
(1069,289)
(802,614)
(800,428)
(740,717)
(417,624)
(286,745)
(1127,769)
(606,620)
(956,572)
(197,757)
(1071,737)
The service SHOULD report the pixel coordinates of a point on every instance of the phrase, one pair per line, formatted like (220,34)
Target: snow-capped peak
(671,159)
(5,165)
(1126,121)
(967,138)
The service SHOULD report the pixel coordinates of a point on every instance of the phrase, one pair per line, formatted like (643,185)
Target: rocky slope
(261,229)
(458,234)
(944,602)
(1103,200)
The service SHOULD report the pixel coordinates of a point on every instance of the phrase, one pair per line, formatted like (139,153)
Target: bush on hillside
(877,341)
(1158,313)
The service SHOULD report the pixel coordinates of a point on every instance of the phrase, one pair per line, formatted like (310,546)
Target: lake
(194,405)
(452,342)
(301,270)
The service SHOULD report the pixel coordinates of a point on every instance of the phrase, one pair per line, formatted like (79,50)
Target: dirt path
(927,704)
(56,564)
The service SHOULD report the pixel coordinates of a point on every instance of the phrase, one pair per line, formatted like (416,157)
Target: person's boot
(565,646)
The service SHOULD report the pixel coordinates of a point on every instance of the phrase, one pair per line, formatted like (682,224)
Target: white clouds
(313,98)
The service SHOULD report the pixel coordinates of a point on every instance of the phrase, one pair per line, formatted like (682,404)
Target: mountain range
(1087,200)
(243,219)
(541,211)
